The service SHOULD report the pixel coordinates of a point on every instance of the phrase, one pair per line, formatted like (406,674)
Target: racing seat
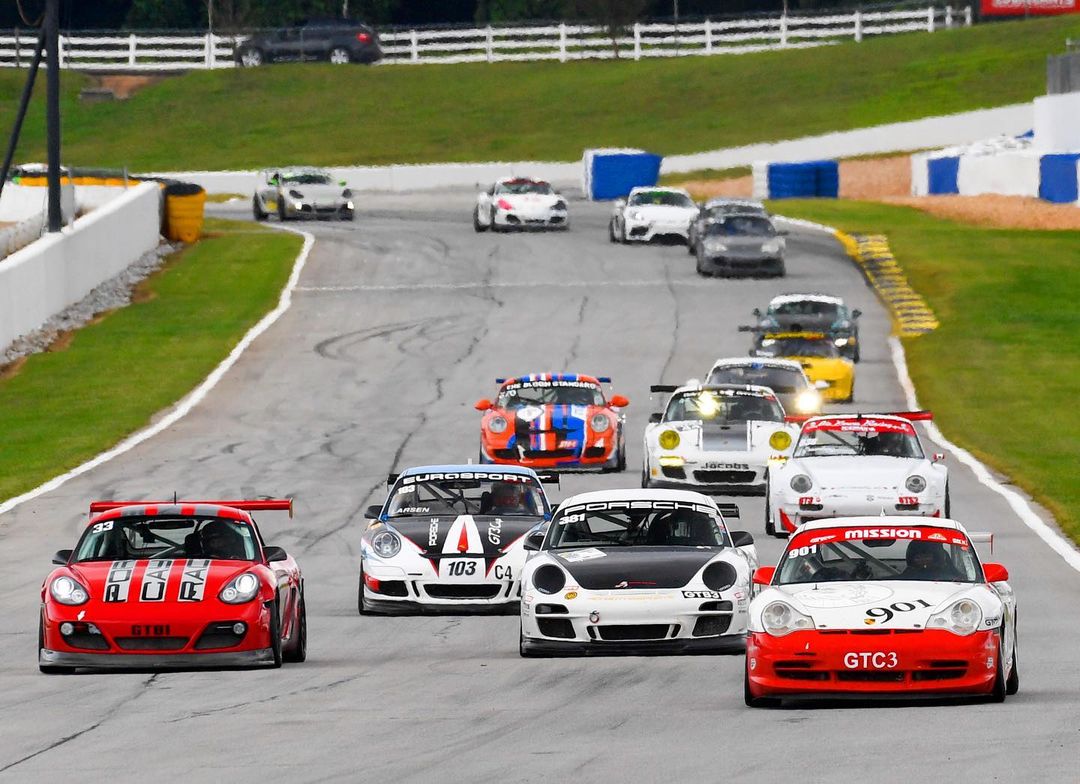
(193,546)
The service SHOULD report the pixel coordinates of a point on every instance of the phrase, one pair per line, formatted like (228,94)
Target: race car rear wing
(259,505)
(663,387)
(911,416)
(982,537)
(728,510)
(546,477)
(601,379)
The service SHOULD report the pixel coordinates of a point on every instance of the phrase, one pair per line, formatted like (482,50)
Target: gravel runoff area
(114,293)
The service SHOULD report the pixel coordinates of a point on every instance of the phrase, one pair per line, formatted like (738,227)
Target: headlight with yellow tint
(780,440)
(669,439)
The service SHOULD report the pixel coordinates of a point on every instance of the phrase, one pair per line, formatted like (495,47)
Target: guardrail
(561,42)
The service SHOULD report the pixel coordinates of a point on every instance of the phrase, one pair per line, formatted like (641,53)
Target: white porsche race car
(450,537)
(520,203)
(785,377)
(652,212)
(301,192)
(856,464)
(636,571)
(716,438)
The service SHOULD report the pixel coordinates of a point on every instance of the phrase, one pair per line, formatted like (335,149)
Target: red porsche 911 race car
(172,584)
(554,421)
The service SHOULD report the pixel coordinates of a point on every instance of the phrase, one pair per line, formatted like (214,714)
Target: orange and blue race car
(554,421)
(172,584)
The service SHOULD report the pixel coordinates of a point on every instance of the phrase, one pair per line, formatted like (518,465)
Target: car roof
(297,170)
(505,180)
(468,467)
(639,494)
(883,521)
(173,510)
(786,364)
(783,299)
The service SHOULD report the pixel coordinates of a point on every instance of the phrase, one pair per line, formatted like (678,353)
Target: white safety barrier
(61,268)
(1056,128)
(562,42)
(19,202)
(21,234)
(1008,173)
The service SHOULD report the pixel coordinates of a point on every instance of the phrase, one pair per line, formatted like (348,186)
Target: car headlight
(498,424)
(808,401)
(386,544)
(771,246)
(840,342)
(915,483)
(67,591)
(780,440)
(296,194)
(714,246)
(634,215)
(559,205)
(962,617)
(549,579)
(719,576)
(801,483)
(242,588)
(599,423)
(780,619)
(349,205)
(669,439)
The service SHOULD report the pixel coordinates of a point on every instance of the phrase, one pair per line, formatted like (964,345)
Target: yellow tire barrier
(184,212)
(910,313)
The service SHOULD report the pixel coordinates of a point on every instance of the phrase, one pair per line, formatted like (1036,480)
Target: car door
(483,205)
(316,40)
(287,44)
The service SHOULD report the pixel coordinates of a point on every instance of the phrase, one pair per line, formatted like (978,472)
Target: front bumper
(712,474)
(791,514)
(871,661)
(755,264)
(520,219)
(646,231)
(588,459)
(138,661)
(635,621)
(428,595)
(312,209)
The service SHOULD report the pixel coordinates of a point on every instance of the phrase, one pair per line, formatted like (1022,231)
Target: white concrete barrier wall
(21,234)
(1007,173)
(1057,128)
(920,174)
(19,202)
(60,269)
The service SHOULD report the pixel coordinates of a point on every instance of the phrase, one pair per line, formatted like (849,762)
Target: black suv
(336,40)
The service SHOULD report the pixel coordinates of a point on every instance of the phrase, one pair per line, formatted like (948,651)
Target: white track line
(184,407)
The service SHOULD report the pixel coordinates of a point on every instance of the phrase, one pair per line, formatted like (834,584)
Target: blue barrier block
(1057,178)
(941,175)
(803,179)
(613,175)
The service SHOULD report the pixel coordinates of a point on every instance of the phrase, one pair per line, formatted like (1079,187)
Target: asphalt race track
(402,321)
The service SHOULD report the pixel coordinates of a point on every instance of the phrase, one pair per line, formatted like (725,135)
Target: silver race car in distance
(520,203)
(301,192)
(719,207)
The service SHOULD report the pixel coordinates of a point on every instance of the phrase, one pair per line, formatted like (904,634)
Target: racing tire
(494,226)
(253,58)
(297,651)
(855,354)
(48,669)
(611,231)
(1012,683)
(756,702)
(621,465)
(361,607)
(781,271)
(281,210)
(701,270)
(645,481)
(339,55)
(1000,687)
(851,395)
(275,634)
(348,215)
(770,526)
(478,227)
(258,212)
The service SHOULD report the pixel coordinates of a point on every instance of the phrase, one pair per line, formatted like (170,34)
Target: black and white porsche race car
(636,571)
(450,537)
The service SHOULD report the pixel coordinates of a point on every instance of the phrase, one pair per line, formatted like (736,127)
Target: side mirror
(534,540)
(618,401)
(939,456)
(275,553)
(763,575)
(655,419)
(856,313)
(995,573)
(342,183)
(741,538)
(373,511)
(482,405)
(819,384)
(61,557)
(756,312)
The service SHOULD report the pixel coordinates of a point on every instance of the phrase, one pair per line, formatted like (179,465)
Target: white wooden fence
(560,42)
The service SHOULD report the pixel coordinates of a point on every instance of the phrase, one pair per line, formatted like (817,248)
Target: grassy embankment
(330,115)
(109,378)
(1000,373)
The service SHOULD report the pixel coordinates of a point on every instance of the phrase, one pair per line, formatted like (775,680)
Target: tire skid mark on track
(316,688)
(675,330)
(572,353)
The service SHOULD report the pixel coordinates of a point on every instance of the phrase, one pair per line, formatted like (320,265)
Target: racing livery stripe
(193,580)
(118,581)
(155,580)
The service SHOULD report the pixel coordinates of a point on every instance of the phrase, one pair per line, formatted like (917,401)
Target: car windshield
(306,178)
(723,407)
(637,523)
(135,538)
(798,347)
(846,437)
(524,186)
(741,226)
(875,554)
(466,492)
(805,307)
(519,394)
(779,379)
(663,198)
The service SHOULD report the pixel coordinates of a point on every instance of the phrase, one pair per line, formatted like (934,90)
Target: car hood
(791,323)
(843,605)
(871,472)
(480,535)
(181,579)
(665,212)
(827,368)
(611,568)
(531,200)
(317,191)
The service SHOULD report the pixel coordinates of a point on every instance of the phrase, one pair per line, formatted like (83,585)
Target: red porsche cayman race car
(554,421)
(172,584)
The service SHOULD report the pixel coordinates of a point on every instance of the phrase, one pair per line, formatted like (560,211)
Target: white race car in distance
(856,464)
(636,571)
(652,212)
(449,537)
(301,192)
(785,377)
(520,203)
(716,438)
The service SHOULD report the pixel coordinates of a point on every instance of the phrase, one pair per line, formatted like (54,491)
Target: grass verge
(1001,370)
(108,379)
(332,115)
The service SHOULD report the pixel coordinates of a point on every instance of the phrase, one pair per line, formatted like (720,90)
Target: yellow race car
(829,371)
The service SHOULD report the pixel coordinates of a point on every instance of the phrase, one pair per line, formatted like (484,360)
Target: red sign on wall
(1032,7)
